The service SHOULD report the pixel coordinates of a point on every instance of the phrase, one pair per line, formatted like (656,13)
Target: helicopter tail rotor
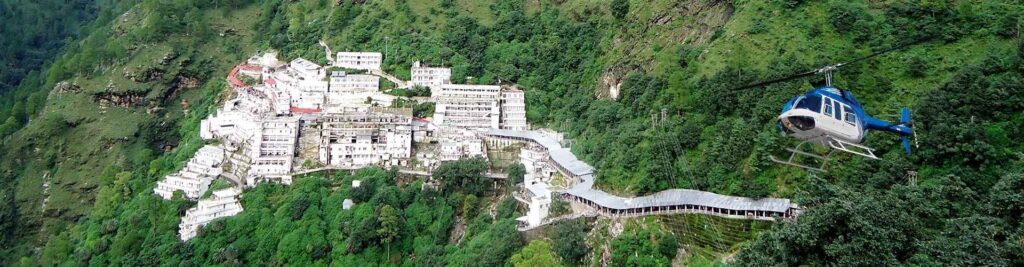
(905,120)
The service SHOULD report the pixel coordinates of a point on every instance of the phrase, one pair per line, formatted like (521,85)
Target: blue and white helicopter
(832,118)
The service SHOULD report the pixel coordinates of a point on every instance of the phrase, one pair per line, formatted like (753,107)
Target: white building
(302,85)
(457,143)
(423,130)
(195,177)
(479,107)
(222,203)
(540,203)
(273,150)
(344,84)
(423,75)
(535,159)
(467,106)
(306,70)
(359,60)
(267,60)
(191,184)
(513,110)
(234,124)
(379,136)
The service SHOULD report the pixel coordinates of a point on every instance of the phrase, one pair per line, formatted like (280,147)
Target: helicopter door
(837,126)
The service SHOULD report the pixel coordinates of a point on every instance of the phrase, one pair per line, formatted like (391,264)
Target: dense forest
(642,87)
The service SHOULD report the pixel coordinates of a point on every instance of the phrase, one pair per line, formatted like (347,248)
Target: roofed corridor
(672,201)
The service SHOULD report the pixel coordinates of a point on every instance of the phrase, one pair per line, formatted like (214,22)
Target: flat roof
(360,54)
(226,193)
(471,86)
(304,64)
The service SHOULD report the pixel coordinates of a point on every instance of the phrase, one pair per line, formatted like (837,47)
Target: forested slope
(641,86)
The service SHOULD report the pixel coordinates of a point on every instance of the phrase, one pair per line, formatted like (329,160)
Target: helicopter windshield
(811,102)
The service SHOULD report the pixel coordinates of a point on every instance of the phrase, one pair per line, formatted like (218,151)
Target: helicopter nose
(797,123)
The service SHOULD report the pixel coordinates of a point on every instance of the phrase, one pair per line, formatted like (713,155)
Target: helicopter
(832,118)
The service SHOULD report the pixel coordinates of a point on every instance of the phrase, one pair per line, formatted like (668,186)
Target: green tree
(466,175)
(536,254)
(620,8)
(390,226)
(516,173)
(569,240)
(668,245)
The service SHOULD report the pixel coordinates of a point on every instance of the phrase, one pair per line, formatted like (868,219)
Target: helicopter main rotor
(827,70)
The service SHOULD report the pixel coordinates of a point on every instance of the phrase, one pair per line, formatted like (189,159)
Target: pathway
(399,83)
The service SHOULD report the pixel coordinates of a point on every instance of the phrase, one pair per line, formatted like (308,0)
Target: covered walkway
(672,201)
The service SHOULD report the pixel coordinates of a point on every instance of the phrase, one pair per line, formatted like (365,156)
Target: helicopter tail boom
(902,128)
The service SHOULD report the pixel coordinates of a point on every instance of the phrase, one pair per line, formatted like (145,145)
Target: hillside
(641,87)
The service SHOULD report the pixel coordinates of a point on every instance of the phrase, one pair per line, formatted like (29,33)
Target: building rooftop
(678,197)
(227,193)
(560,155)
(302,63)
(585,189)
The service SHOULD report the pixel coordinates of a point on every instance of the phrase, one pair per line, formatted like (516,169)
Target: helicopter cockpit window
(851,118)
(828,107)
(811,102)
(847,112)
(839,113)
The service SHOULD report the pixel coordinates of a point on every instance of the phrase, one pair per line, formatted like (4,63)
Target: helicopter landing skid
(851,148)
(835,144)
(794,152)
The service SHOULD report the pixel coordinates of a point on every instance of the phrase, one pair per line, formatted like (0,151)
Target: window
(828,107)
(812,103)
(839,113)
(851,118)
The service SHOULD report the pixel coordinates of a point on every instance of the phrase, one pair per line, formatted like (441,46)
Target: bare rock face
(66,87)
(166,59)
(119,99)
(188,82)
(610,83)
(145,75)
(709,16)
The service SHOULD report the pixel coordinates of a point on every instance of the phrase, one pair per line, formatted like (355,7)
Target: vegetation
(412,92)
(638,247)
(568,241)
(642,87)
(537,253)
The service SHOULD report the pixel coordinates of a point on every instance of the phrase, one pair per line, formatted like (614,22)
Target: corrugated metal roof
(585,189)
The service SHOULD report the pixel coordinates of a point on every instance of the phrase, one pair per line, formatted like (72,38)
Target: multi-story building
(423,75)
(458,143)
(345,84)
(359,60)
(479,107)
(233,124)
(222,203)
(306,70)
(194,179)
(540,203)
(302,86)
(467,106)
(379,136)
(273,149)
(513,110)
(535,159)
